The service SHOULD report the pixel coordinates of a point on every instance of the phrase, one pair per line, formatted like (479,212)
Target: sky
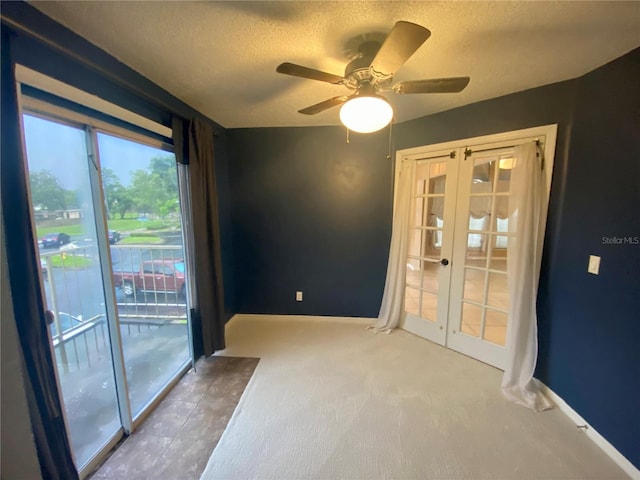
(61,149)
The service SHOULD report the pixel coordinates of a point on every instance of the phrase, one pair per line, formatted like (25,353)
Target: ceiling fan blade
(404,39)
(306,72)
(322,106)
(434,85)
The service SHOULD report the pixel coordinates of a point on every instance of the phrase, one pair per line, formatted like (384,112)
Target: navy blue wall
(589,326)
(313,213)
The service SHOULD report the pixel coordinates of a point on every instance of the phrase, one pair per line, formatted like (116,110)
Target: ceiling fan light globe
(366,114)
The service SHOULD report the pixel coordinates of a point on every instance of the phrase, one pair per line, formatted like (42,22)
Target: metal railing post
(56,316)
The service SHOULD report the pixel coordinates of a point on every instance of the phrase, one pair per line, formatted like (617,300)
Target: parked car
(153,276)
(114,236)
(52,240)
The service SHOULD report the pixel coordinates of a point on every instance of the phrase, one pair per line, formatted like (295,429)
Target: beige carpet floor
(331,400)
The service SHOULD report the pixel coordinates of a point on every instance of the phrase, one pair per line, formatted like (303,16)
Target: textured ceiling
(220,57)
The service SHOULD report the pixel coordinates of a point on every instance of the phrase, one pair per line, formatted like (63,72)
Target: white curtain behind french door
(456,290)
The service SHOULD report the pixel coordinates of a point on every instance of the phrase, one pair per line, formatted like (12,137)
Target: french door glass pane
(70,266)
(412,300)
(495,329)
(485,284)
(425,240)
(497,292)
(415,242)
(498,259)
(140,184)
(474,284)
(471,323)
(430,280)
(418,211)
(432,245)
(504,173)
(413,272)
(476,250)
(479,212)
(429,310)
(422,177)
(482,179)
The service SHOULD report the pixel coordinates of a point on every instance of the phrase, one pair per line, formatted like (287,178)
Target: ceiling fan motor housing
(358,71)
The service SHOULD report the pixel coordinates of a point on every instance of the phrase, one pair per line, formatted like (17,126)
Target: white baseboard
(628,467)
(306,318)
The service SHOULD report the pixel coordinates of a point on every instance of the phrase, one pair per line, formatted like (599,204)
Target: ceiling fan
(371,72)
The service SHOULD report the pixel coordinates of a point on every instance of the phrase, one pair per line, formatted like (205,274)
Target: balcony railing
(73,287)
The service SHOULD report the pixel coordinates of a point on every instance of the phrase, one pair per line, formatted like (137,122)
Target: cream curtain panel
(393,298)
(524,252)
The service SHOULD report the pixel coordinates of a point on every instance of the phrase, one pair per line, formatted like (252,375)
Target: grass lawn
(121,225)
(125,224)
(146,240)
(131,224)
(69,261)
(68,229)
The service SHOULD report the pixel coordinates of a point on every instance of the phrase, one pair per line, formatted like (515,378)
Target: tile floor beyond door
(176,440)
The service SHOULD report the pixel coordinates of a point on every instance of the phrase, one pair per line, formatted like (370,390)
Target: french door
(456,290)
(430,248)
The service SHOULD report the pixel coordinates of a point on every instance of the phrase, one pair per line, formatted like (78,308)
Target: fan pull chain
(390,131)
(347,135)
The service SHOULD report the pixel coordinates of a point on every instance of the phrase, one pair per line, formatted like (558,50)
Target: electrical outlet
(594,264)
(299,296)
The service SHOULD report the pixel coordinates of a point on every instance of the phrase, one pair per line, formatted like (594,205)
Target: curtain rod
(451,154)
(468,152)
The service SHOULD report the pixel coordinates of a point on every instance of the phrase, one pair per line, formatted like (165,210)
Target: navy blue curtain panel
(193,142)
(45,406)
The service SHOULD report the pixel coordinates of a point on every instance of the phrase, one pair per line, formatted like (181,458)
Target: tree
(165,169)
(46,191)
(72,198)
(156,189)
(122,201)
(111,186)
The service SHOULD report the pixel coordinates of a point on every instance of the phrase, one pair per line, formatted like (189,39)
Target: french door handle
(444,261)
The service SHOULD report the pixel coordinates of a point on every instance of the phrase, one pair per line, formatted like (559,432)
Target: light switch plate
(594,264)
(298,296)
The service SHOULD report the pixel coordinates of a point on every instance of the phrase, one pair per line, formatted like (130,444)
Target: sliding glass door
(71,271)
(140,186)
(107,215)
